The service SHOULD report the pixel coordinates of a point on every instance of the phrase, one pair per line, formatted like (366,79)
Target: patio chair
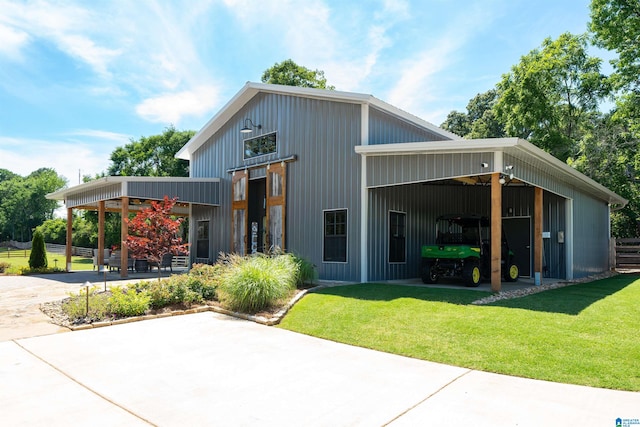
(105,258)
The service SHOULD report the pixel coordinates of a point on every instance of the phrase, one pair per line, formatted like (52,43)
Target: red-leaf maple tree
(153,233)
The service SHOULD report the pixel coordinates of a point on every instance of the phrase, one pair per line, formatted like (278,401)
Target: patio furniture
(166,262)
(105,258)
(115,262)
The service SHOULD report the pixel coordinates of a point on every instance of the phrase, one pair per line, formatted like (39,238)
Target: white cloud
(12,42)
(170,108)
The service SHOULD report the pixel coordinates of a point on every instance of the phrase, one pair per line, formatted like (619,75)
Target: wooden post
(496,232)
(124,232)
(537,236)
(69,238)
(100,254)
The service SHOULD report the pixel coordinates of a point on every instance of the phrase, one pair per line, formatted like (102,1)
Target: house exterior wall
(387,129)
(590,235)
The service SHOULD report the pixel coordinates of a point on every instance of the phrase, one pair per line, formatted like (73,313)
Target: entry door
(240,206)
(276,205)
(518,233)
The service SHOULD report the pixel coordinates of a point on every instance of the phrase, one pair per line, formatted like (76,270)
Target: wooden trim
(239,205)
(69,238)
(278,169)
(124,232)
(100,254)
(496,232)
(537,233)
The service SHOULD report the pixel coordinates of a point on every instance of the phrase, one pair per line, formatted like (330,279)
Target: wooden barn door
(276,205)
(240,206)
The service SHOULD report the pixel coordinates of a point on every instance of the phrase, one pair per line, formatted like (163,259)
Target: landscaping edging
(263,320)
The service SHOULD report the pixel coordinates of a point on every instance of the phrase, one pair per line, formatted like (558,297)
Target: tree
(153,233)
(38,256)
(23,204)
(549,95)
(289,73)
(616,26)
(479,121)
(152,155)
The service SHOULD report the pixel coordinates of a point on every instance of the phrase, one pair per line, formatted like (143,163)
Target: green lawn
(582,334)
(20,258)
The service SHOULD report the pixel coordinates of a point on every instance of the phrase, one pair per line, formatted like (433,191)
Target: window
(335,236)
(202,240)
(397,237)
(260,146)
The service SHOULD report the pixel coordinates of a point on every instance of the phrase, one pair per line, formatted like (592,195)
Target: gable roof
(250,90)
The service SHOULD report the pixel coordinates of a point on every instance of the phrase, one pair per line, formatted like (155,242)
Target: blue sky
(79,78)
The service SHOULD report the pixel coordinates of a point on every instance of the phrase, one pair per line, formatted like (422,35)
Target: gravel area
(517,293)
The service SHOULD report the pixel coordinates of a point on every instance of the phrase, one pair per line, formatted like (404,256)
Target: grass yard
(581,334)
(20,258)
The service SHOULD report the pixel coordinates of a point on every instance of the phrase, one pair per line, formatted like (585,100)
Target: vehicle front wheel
(472,274)
(429,276)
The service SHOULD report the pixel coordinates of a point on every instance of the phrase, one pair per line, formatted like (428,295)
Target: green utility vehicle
(463,250)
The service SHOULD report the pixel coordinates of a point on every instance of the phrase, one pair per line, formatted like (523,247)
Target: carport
(125,194)
(497,164)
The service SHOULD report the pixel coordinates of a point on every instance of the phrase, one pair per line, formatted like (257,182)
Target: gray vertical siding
(387,129)
(591,236)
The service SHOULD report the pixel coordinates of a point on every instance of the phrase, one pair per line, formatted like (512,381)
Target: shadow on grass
(387,292)
(572,299)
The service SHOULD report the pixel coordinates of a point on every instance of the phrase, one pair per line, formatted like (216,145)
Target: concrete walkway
(210,369)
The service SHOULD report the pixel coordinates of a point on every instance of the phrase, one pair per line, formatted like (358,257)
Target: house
(355,185)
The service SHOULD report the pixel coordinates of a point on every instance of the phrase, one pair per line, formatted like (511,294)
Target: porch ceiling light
(247,129)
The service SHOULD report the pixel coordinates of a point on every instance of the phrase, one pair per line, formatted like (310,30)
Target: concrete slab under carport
(521,283)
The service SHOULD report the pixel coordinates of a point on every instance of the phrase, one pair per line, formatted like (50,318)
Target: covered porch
(128,194)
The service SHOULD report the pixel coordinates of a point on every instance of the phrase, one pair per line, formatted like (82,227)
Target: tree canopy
(152,155)
(289,73)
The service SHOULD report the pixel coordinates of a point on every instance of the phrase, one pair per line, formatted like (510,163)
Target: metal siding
(113,191)
(326,174)
(387,129)
(201,192)
(591,236)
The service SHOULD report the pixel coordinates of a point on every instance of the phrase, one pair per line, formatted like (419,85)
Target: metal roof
(250,90)
(515,147)
(203,191)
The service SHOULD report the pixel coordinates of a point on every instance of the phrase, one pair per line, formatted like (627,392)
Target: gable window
(202,240)
(260,146)
(397,237)
(335,236)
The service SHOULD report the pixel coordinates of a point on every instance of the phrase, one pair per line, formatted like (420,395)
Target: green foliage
(152,155)
(479,121)
(54,230)
(616,26)
(4,266)
(23,204)
(580,334)
(38,256)
(289,73)
(76,306)
(254,283)
(548,96)
(128,302)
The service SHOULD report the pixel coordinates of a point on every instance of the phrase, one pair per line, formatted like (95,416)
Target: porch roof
(139,190)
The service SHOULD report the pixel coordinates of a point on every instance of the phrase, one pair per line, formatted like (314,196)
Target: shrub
(250,284)
(4,266)
(128,302)
(305,271)
(76,306)
(38,256)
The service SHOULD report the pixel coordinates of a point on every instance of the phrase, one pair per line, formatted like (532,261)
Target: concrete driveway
(210,369)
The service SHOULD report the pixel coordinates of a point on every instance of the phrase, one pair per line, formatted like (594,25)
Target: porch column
(124,232)
(100,255)
(69,238)
(496,232)
(537,236)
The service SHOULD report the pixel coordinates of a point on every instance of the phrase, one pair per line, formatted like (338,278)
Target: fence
(627,253)
(52,248)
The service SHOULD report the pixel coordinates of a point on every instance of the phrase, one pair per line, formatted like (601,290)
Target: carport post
(124,232)
(100,254)
(537,236)
(69,238)
(496,231)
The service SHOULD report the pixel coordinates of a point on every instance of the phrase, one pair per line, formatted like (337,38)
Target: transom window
(260,146)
